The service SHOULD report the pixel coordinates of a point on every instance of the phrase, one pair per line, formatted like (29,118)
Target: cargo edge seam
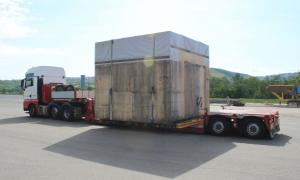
(159,58)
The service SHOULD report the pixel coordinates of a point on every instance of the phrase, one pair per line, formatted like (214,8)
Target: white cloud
(13,18)
(13,24)
(8,50)
(14,60)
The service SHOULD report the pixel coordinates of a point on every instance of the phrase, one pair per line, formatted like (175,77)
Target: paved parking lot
(37,148)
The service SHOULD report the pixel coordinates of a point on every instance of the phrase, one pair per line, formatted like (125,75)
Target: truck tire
(69,88)
(54,111)
(32,110)
(219,126)
(67,112)
(252,128)
(271,135)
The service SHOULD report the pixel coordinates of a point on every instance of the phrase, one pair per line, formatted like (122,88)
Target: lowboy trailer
(47,95)
(157,80)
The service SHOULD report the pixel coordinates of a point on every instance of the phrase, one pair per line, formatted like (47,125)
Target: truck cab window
(29,82)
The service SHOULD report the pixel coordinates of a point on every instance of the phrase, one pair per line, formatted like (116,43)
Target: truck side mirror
(22,84)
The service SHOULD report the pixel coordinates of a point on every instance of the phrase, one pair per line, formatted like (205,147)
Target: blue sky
(257,37)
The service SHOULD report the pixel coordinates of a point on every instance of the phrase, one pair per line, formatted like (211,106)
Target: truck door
(31,88)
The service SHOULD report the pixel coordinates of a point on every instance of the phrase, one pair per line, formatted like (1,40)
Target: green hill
(220,73)
(283,76)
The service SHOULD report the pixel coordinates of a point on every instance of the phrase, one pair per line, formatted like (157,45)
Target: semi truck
(150,81)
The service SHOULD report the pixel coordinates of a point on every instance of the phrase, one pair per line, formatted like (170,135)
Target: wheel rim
(218,127)
(66,114)
(272,134)
(253,129)
(31,110)
(54,111)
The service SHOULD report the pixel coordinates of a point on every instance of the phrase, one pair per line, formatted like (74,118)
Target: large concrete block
(153,89)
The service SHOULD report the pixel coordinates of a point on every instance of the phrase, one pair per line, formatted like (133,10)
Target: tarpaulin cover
(158,45)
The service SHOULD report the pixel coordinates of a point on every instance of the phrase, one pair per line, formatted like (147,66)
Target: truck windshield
(29,82)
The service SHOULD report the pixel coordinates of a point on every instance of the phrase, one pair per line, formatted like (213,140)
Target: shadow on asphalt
(42,121)
(166,154)
(161,153)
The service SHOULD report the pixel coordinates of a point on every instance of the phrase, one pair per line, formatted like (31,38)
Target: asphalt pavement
(41,148)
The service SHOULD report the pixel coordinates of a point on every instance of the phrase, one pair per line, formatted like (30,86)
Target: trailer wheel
(219,126)
(67,112)
(252,128)
(271,135)
(55,111)
(32,110)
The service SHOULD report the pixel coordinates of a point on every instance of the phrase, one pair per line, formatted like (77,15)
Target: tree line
(13,86)
(10,87)
(236,87)
(247,87)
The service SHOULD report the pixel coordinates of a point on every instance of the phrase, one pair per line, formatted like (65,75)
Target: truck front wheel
(32,110)
(219,126)
(252,128)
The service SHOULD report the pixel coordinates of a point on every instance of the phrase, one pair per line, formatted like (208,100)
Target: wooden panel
(102,82)
(152,91)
